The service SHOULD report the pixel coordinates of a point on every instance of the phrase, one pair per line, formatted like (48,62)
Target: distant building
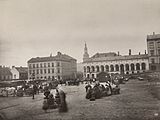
(113,63)
(19,73)
(5,73)
(57,67)
(153,46)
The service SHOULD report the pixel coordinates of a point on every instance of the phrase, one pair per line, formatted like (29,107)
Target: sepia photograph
(79,59)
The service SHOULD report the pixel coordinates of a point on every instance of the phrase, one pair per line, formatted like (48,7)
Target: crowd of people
(97,90)
(94,90)
(53,102)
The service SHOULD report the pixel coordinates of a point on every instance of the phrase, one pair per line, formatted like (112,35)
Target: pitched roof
(110,54)
(5,71)
(58,57)
(113,58)
(22,69)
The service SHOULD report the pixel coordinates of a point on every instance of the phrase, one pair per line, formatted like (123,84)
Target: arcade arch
(112,68)
(117,67)
(122,68)
(92,69)
(132,67)
(97,68)
(143,66)
(102,68)
(127,67)
(88,69)
(137,66)
(107,68)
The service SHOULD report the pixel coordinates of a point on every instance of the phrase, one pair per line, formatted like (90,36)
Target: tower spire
(85,48)
(85,55)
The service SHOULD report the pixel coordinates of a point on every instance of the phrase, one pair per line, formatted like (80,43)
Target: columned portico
(91,70)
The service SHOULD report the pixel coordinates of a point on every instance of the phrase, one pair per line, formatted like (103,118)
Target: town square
(79,60)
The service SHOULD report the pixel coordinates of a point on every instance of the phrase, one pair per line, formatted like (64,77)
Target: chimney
(153,33)
(129,51)
(59,53)
(118,53)
(145,52)
(139,53)
(51,55)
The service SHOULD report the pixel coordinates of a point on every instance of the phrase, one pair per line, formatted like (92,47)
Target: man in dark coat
(34,90)
(46,92)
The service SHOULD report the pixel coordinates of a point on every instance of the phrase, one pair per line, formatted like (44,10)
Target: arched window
(97,68)
(93,76)
(127,67)
(112,68)
(132,67)
(83,68)
(107,68)
(117,67)
(122,68)
(102,68)
(143,66)
(88,69)
(92,67)
(137,66)
(87,75)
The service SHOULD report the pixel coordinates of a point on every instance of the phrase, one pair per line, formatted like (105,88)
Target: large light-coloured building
(113,63)
(57,67)
(153,45)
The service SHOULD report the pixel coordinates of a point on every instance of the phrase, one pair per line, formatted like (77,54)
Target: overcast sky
(32,28)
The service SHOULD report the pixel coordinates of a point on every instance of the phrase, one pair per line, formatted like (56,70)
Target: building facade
(57,67)
(19,73)
(114,63)
(5,73)
(153,46)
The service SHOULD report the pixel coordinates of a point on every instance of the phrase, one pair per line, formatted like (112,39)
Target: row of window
(151,44)
(43,65)
(5,77)
(43,71)
(115,68)
(151,47)
(153,60)
(152,52)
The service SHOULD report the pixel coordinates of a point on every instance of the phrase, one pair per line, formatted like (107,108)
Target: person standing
(46,92)
(88,86)
(63,104)
(34,90)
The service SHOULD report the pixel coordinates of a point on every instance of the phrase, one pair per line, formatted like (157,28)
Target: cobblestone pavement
(133,103)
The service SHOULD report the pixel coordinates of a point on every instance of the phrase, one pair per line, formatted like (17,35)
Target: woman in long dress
(63,104)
